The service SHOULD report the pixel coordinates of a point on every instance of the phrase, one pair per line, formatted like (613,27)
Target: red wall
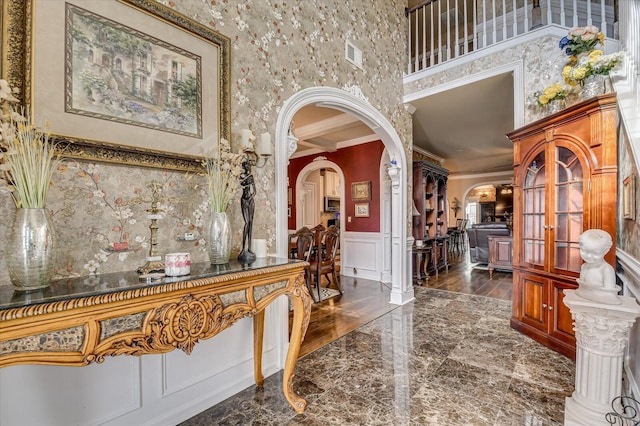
(358,163)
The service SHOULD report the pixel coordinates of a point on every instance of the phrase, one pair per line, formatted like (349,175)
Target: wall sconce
(261,151)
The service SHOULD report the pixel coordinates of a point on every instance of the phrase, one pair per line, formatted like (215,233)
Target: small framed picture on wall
(362,209)
(629,197)
(361,191)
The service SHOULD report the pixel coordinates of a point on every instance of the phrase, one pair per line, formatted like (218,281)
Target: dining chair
(300,246)
(324,262)
(317,231)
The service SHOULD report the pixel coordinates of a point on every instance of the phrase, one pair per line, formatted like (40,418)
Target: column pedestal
(602,332)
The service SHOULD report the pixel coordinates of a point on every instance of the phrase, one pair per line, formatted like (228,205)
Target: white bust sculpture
(597,280)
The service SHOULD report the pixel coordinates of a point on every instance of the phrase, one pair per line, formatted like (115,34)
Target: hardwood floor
(362,301)
(464,277)
(365,300)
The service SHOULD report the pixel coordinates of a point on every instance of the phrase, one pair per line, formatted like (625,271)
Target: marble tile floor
(446,359)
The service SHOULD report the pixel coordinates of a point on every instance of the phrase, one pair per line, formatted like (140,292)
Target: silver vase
(592,86)
(30,249)
(219,238)
(555,106)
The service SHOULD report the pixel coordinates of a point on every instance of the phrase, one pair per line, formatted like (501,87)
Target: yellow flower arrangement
(594,63)
(554,92)
(28,156)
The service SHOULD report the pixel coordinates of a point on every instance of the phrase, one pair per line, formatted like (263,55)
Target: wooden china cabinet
(565,183)
(429,196)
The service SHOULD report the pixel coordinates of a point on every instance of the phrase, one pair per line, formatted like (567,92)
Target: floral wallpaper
(278,49)
(543,62)
(628,229)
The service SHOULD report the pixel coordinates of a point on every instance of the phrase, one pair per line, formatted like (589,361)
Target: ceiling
(465,126)
(320,129)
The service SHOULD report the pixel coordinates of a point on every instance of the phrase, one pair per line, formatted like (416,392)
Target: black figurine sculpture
(248,206)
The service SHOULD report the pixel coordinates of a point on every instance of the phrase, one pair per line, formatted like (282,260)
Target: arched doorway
(329,97)
(489,202)
(316,165)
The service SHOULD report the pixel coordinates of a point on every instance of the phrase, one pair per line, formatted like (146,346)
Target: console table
(82,320)
(423,258)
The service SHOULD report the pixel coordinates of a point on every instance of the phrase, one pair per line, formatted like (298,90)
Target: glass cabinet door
(568,211)
(533,213)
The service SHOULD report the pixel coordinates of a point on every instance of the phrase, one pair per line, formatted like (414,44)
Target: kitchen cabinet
(565,177)
(331,183)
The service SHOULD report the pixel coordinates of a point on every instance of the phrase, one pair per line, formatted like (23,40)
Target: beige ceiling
(465,126)
(320,129)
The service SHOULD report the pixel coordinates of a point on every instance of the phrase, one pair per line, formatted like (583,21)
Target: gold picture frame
(35,44)
(629,197)
(361,191)
(361,210)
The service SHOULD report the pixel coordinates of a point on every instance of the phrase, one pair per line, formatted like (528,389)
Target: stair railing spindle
(504,20)
(448,30)
(603,18)
(493,21)
(432,40)
(424,37)
(515,19)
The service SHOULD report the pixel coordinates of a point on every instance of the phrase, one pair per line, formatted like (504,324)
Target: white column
(401,283)
(602,332)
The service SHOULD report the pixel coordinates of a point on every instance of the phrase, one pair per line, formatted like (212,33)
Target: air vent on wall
(353,54)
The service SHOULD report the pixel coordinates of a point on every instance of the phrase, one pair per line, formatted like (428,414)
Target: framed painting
(125,81)
(362,210)
(629,197)
(361,191)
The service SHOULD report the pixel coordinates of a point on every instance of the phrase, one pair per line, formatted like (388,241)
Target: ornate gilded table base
(157,319)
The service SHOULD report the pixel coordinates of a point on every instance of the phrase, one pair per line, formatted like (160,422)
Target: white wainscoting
(362,251)
(631,285)
(148,390)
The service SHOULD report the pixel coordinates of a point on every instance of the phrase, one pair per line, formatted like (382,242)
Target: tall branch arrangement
(223,170)
(28,157)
